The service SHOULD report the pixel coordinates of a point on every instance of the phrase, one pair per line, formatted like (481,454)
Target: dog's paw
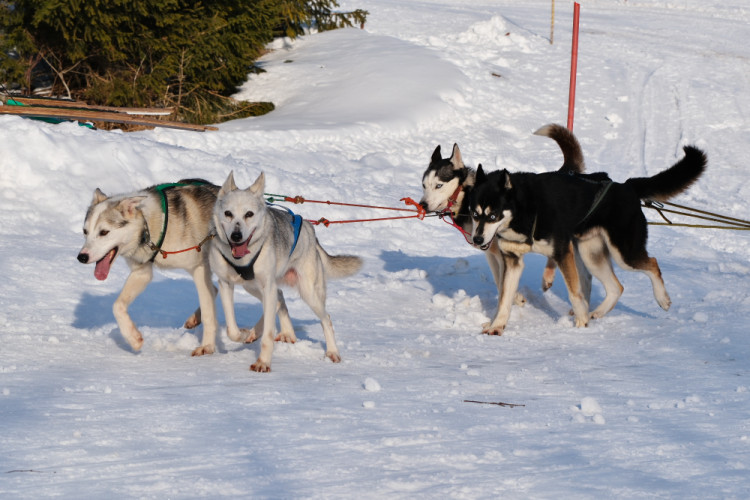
(135,339)
(334,357)
(260,366)
(582,322)
(288,338)
(519,300)
(488,329)
(242,335)
(193,321)
(665,302)
(204,350)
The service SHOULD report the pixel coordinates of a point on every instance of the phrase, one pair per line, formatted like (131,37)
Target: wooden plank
(98,116)
(64,103)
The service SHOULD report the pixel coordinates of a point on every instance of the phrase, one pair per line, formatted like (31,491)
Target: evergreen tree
(189,54)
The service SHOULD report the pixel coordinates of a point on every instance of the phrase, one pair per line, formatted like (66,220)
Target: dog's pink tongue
(240,250)
(102,267)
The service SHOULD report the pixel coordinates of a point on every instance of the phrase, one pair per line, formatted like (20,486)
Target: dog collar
(454,197)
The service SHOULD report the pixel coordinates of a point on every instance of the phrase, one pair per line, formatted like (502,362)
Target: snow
(642,403)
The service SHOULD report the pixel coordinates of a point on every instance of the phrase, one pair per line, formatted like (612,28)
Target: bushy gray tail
(673,180)
(571,149)
(339,266)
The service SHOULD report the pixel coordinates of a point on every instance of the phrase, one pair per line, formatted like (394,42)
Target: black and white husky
(447,185)
(144,228)
(550,213)
(259,247)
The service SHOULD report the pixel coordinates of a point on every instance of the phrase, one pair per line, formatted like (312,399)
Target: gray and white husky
(139,227)
(260,247)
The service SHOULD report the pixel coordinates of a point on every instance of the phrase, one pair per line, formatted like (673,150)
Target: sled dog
(141,227)
(447,184)
(550,212)
(258,247)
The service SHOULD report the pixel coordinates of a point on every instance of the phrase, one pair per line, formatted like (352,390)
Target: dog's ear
(506,180)
(228,185)
(481,177)
(98,196)
(456,160)
(129,206)
(259,185)
(436,155)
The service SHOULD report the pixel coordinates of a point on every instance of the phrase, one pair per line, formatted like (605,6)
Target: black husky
(447,184)
(550,212)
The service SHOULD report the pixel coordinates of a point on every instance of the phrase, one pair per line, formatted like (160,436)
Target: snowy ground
(642,403)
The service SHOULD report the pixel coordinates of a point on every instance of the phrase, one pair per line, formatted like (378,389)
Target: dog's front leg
(270,304)
(207,301)
(139,278)
(235,333)
(195,318)
(569,270)
(511,278)
(495,261)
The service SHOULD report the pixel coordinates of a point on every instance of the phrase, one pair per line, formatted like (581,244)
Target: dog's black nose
(236,236)
(83,258)
(423,204)
(478,240)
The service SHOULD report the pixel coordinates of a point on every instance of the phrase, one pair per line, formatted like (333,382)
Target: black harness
(246,272)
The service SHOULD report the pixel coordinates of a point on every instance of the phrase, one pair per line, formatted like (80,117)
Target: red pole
(573,66)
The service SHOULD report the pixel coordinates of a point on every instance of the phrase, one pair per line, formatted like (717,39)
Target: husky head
(490,205)
(238,213)
(113,226)
(441,179)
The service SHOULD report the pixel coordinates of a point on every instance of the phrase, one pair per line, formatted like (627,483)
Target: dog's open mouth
(485,246)
(103,265)
(239,250)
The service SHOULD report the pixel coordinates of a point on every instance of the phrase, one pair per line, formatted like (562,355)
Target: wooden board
(98,116)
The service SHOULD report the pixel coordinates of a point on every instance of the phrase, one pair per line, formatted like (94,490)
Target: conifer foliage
(189,54)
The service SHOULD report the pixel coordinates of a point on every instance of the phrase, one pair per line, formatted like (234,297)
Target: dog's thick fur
(448,183)
(548,213)
(126,225)
(257,241)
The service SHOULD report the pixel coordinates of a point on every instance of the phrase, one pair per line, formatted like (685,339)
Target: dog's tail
(673,180)
(571,149)
(339,266)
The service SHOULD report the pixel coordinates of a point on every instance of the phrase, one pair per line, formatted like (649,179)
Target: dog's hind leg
(640,260)
(548,276)
(570,272)
(207,299)
(138,280)
(195,318)
(595,255)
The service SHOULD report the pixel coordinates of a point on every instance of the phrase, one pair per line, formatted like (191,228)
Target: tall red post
(573,66)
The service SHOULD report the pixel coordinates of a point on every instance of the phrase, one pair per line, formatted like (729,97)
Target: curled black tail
(673,180)
(571,149)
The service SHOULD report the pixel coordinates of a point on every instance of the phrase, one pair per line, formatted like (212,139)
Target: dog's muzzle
(236,236)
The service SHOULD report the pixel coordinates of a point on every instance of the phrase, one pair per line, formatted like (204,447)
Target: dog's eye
(249,214)
(438,186)
(493,217)
(103,232)
(474,214)
(228,214)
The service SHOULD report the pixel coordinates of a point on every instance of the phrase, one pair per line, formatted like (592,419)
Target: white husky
(258,247)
